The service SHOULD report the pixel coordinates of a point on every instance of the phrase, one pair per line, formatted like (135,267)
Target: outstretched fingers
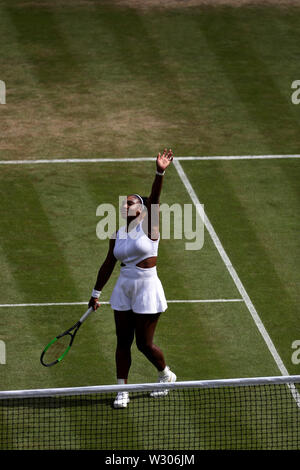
(164,159)
(166,154)
(170,155)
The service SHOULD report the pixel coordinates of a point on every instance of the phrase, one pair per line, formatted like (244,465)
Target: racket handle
(86,314)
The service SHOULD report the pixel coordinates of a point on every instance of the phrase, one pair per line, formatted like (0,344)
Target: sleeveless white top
(134,246)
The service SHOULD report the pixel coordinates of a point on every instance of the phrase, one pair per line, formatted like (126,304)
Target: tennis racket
(58,348)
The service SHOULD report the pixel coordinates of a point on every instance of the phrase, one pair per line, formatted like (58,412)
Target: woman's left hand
(163,160)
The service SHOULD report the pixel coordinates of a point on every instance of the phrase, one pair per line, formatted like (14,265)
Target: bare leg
(125,334)
(145,325)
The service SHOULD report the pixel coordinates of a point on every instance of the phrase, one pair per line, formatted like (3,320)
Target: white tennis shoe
(166,377)
(121,400)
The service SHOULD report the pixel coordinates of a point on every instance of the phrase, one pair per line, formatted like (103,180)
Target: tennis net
(257,413)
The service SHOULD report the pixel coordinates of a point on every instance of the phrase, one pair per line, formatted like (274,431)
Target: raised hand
(163,160)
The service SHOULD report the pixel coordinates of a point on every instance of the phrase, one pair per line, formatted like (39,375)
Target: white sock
(121,381)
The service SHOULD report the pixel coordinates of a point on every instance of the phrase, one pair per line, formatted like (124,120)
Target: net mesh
(264,416)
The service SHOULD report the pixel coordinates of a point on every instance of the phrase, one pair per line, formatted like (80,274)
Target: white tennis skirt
(140,290)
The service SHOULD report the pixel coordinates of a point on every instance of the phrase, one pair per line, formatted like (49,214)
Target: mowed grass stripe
(274,211)
(38,267)
(271,205)
(142,77)
(291,173)
(248,253)
(157,76)
(208,112)
(251,77)
(66,197)
(42,267)
(8,281)
(30,245)
(118,32)
(43,44)
(181,78)
(71,210)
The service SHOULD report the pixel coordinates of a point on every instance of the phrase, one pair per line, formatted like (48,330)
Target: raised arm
(162,162)
(104,274)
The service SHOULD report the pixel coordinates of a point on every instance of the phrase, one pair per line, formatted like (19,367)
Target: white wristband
(160,174)
(96,293)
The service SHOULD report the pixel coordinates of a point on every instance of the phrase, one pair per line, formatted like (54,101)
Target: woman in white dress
(138,297)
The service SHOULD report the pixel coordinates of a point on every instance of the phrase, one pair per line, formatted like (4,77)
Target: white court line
(50,304)
(235,278)
(240,157)
(143,159)
(76,160)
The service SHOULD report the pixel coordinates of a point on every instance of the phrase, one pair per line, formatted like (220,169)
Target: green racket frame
(71,332)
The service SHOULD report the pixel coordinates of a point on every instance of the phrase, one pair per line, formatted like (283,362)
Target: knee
(124,342)
(143,346)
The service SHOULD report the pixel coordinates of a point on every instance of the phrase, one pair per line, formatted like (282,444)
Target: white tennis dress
(137,289)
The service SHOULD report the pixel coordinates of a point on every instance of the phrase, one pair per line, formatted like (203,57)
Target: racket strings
(57,349)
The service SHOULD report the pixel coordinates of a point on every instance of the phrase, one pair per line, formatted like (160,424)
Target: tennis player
(138,297)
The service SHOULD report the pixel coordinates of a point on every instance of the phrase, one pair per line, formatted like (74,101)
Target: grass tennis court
(52,255)
(96,80)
